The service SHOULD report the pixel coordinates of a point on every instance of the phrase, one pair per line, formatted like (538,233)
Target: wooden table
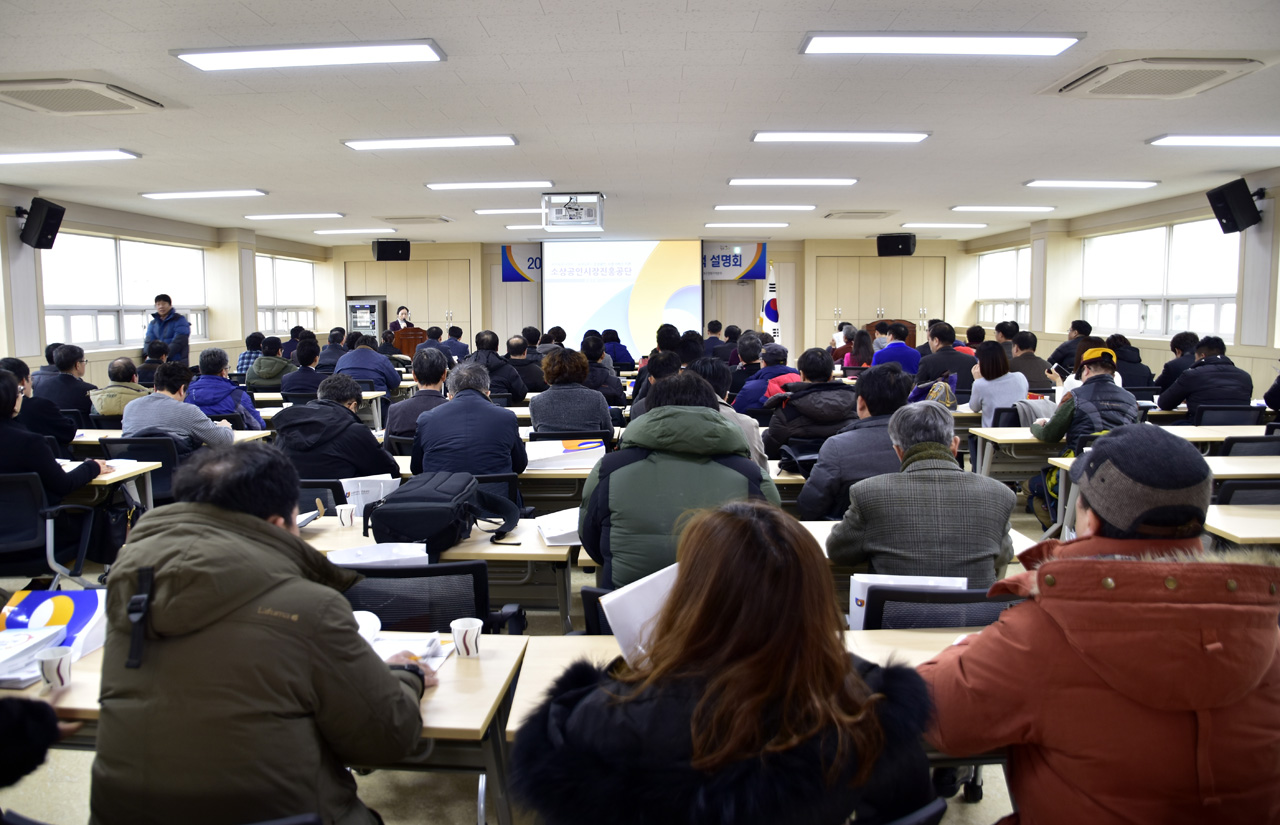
(375,409)
(1245,523)
(138,471)
(90,438)
(780,477)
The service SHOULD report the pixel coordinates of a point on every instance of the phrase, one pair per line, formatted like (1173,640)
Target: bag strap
(490,508)
(139,607)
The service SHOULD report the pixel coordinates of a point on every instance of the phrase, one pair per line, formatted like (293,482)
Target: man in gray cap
(1139,681)
(752,394)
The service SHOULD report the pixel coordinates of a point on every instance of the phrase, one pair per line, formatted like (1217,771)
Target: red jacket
(1127,690)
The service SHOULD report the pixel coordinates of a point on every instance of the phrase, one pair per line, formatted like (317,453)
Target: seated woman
(994,385)
(615,349)
(568,405)
(746,707)
(861,350)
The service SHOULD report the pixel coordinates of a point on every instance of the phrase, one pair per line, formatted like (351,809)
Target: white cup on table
(466,636)
(346,514)
(55,666)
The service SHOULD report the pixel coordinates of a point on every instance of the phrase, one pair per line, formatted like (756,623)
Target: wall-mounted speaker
(43,219)
(901,243)
(1233,206)
(390,249)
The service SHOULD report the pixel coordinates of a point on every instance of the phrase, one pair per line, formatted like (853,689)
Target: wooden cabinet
(863,290)
(837,290)
(438,293)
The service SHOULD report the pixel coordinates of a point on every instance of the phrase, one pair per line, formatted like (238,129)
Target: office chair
(106,422)
(425,598)
(328,490)
(399,444)
(148,448)
(81,419)
(366,384)
(1144,393)
(761,415)
(31,524)
(501,399)
(298,397)
(1258,491)
(236,420)
(1228,415)
(800,454)
(605,436)
(1251,445)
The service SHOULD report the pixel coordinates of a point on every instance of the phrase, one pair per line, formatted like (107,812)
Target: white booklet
(564,455)
(631,610)
(428,647)
(18,649)
(559,528)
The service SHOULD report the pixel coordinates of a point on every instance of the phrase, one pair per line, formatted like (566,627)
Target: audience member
(332,351)
(503,378)
(455,346)
(40,415)
(433,342)
(429,372)
(526,362)
(973,336)
(1065,354)
(304,378)
(861,350)
(748,724)
(49,367)
(365,362)
(550,341)
(725,351)
(945,359)
(668,340)
(326,439)
(717,373)
(812,409)
(692,457)
(713,338)
(847,333)
(1183,346)
(252,352)
(881,339)
(157,353)
(169,326)
(753,393)
(289,347)
(662,365)
(1005,332)
(249,625)
(532,336)
(1129,364)
(599,377)
(305,335)
(749,347)
(352,340)
(124,387)
(862,449)
(1138,680)
(604,359)
(1032,367)
(616,350)
(568,405)
(931,518)
(68,389)
(388,347)
(690,348)
(470,434)
(1083,343)
(898,351)
(994,384)
(216,394)
(924,349)
(1095,406)
(163,411)
(401,322)
(268,370)
(1212,379)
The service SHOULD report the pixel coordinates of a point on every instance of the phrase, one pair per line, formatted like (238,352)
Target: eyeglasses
(83,361)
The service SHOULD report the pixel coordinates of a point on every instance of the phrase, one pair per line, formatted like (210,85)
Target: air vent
(419,219)
(66,97)
(1156,78)
(858,216)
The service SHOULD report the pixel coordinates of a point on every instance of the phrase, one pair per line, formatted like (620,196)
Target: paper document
(428,647)
(860,583)
(559,528)
(391,554)
(631,610)
(306,518)
(564,455)
(18,649)
(368,489)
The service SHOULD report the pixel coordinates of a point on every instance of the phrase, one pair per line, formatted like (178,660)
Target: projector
(572,210)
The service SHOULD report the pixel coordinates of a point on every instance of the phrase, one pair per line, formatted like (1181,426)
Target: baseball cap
(1098,354)
(773,354)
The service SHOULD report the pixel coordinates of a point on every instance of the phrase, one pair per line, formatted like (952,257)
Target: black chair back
(106,422)
(962,395)
(802,453)
(761,415)
(22,498)
(1251,445)
(235,419)
(597,622)
(930,814)
(1273,428)
(366,384)
(1005,417)
(1259,491)
(854,372)
(1144,393)
(425,598)
(502,399)
(1228,415)
(148,449)
(237,378)
(399,444)
(901,608)
(298,397)
(620,367)
(328,490)
(605,436)
(80,419)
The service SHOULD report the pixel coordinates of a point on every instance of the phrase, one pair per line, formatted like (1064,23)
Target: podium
(408,338)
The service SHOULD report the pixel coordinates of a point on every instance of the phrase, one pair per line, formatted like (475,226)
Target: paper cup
(55,666)
(466,636)
(346,514)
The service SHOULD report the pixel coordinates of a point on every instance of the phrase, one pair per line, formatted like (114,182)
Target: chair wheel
(972,792)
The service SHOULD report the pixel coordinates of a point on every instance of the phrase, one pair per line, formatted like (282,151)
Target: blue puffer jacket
(215,395)
(751,396)
(174,330)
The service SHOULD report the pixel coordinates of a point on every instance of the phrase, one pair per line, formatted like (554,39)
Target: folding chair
(1228,415)
(29,526)
(157,448)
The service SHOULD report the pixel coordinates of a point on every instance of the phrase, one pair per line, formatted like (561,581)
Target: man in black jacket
(532,335)
(469,434)
(326,439)
(1065,354)
(304,378)
(749,347)
(40,415)
(598,376)
(528,363)
(924,349)
(1183,346)
(725,351)
(332,352)
(433,342)
(1212,379)
(814,408)
(67,389)
(503,377)
(49,369)
(429,371)
(942,339)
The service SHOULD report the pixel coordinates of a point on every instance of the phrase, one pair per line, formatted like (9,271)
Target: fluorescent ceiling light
(322,54)
(745,225)
(430,143)
(534,211)
(383,231)
(838,137)
(60,157)
(494,184)
(792,181)
(944,226)
(215,193)
(1093,184)
(1002,209)
(1267,141)
(1035,45)
(525,226)
(299,216)
(737,207)
(574,228)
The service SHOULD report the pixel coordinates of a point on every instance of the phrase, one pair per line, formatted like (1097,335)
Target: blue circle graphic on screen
(771,310)
(684,308)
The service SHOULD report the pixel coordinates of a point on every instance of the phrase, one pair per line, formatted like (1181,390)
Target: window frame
(992,311)
(304,316)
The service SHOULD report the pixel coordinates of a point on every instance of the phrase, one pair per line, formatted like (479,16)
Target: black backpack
(438,510)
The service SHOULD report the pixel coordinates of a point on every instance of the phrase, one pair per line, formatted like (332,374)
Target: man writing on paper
(245,688)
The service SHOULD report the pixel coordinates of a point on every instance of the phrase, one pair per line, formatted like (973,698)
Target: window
(99,292)
(1162,281)
(1004,287)
(286,294)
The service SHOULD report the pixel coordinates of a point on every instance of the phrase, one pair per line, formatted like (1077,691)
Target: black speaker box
(902,243)
(43,219)
(390,249)
(1233,206)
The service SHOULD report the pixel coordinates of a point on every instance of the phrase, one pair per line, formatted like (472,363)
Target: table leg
(1064,483)
(495,767)
(988,449)
(563,593)
(377,413)
(144,490)
(1067,514)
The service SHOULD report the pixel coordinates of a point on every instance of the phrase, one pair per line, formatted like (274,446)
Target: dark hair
(337,336)
(898,331)
(1025,341)
(882,327)
(9,392)
(668,338)
(306,334)
(992,360)
(429,365)
(308,351)
(455,332)
(342,332)
(546,338)
(765,338)
(294,332)
(254,340)
(157,349)
(840,327)
(162,297)
(593,347)
(388,337)
(691,347)
(368,341)
(213,361)
(434,333)
(517,346)
(1007,328)
(685,389)
(16,366)
(122,370)
(253,478)
(732,333)
(271,346)
(1117,341)
(1184,342)
(485,339)
(531,335)
(400,308)
(863,349)
(565,366)
(610,336)
(1081,326)
(663,365)
(590,333)
(714,326)
(943,332)
(49,351)
(932,321)
(815,364)
(1084,343)
(353,339)
(715,372)
(884,388)
(67,356)
(749,346)
(975,334)
(1209,345)
(339,387)
(558,334)
(171,376)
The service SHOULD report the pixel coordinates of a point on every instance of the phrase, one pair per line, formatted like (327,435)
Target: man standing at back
(169,326)
(67,389)
(897,350)
(219,602)
(470,434)
(503,377)
(1212,379)
(455,346)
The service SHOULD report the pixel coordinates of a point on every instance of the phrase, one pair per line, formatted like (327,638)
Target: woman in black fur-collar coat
(746,709)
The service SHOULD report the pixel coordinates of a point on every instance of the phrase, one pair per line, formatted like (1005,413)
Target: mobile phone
(1061,370)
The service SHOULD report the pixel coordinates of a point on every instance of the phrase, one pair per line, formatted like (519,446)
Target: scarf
(927,451)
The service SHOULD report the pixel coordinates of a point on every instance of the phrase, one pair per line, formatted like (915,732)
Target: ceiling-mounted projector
(569,211)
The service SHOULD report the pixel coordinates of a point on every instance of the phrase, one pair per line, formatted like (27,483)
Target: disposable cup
(55,666)
(466,636)
(346,514)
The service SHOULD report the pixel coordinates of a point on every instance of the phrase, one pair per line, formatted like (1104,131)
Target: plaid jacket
(931,519)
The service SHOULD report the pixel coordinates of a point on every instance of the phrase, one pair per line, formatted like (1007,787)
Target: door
(731,302)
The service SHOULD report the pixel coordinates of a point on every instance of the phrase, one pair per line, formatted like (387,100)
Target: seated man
(40,415)
(326,439)
(717,373)
(1183,346)
(304,378)
(749,347)
(470,434)
(388,346)
(1093,407)
(124,387)
(811,409)
(599,377)
(931,518)
(252,352)
(897,350)
(332,351)
(157,353)
(862,449)
(662,365)
(1032,367)
(216,394)
(503,377)
(1140,679)
(1065,353)
(682,456)
(433,342)
(365,362)
(455,346)
(752,394)
(49,368)
(68,389)
(289,347)
(944,359)
(164,411)
(268,370)
(249,626)
(1212,379)
(527,363)
(429,372)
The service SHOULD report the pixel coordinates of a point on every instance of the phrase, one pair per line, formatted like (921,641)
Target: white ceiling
(651,101)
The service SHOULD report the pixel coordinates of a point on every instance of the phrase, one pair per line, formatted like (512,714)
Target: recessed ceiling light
(792,181)
(215,193)
(1035,45)
(746,225)
(1093,184)
(1002,209)
(737,207)
(383,231)
(299,216)
(534,211)
(525,226)
(574,228)
(1266,141)
(430,143)
(61,157)
(494,184)
(944,226)
(321,54)
(838,137)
